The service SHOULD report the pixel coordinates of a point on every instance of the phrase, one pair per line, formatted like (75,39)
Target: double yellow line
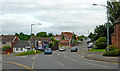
(29,68)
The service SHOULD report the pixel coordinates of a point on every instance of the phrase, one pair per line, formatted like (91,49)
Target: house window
(16,49)
(21,49)
(4,42)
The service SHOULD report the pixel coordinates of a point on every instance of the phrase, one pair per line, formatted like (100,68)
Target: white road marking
(60,63)
(20,56)
(34,58)
(33,64)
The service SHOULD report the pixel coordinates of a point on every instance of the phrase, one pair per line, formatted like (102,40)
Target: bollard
(34,51)
(8,53)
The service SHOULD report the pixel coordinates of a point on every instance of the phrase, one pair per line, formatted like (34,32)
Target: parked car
(62,49)
(48,51)
(74,49)
(90,45)
(88,41)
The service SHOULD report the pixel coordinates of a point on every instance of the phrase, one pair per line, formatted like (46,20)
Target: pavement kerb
(100,60)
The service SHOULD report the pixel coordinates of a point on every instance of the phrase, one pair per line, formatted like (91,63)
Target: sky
(54,16)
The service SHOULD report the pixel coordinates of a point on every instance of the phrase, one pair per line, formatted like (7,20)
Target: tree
(101,31)
(41,34)
(50,35)
(101,43)
(6,48)
(81,37)
(23,36)
(114,11)
(63,37)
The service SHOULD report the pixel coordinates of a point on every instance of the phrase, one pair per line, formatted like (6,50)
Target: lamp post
(107,22)
(31,32)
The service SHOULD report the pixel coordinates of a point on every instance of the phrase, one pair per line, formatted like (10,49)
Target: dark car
(74,49)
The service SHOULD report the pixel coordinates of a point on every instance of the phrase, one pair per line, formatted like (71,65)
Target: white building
(21,46)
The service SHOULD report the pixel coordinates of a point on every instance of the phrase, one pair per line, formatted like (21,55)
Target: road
(57,60)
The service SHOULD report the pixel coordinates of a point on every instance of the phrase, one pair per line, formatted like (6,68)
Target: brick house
(116,35)
(67,36)
(8,40)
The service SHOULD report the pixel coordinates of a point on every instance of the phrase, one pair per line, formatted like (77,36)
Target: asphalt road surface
(57,60)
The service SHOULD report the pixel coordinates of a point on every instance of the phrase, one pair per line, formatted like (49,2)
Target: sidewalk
(98,56)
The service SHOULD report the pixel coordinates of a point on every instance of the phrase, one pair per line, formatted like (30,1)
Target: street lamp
(107,23)
(31,32)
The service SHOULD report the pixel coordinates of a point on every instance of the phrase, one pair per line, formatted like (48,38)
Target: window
(21,49)
(16,49)
(4,42)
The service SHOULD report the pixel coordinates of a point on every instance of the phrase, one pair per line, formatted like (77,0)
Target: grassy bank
(97,50)
(29,53)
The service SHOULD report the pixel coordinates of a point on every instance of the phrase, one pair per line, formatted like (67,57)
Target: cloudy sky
(54,15)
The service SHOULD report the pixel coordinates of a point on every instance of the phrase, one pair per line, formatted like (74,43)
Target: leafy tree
(23,36)
(63,37)
(101,43)
(41,34)
(50,35)
(6,47)
(81,37)
(74,37)
(51,45)
(114,11)
(101,31)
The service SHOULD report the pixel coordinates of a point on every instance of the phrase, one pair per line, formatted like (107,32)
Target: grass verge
(97,50)
(29,53)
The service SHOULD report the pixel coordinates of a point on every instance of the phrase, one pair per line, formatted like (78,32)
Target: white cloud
(55,15)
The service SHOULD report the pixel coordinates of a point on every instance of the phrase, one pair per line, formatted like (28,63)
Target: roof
(21,44)
(57,36)
(68,34)
(40,39)
(7,38)
(64,40)
(117,21)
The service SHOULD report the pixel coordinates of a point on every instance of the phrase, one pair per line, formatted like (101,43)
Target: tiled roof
(7,38)
(117,21)
(21,44)
(57,36)
(41,39)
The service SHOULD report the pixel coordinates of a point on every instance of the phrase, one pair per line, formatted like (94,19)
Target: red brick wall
(113,39)
(117,35)
(17,39)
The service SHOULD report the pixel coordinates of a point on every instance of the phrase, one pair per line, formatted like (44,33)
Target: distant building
(35,44)
(21,46)
(116,35)
(68,37)
(8,40)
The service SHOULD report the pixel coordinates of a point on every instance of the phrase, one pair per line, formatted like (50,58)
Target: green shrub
(112,53)
(6,47)
(28,53)
(101,43)
(51,45)
(111,47)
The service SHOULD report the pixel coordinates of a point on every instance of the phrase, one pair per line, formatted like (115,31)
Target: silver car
(62,49)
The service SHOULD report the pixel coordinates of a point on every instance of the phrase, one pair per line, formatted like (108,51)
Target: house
(65,42)
(21,46)
(68,37)
(58,37)
(43,41)
(116,35)
(8,40)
